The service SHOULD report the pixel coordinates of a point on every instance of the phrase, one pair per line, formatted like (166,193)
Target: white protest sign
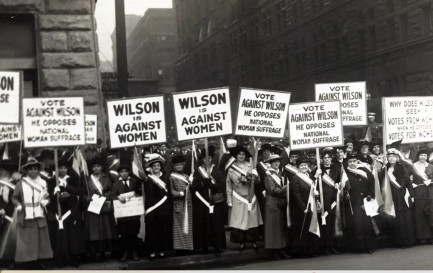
(53,122)
(133,207)
(262,113)
(137,121)
(10,133)
(91,125)
(353,100)
(315,125)
(203,113)
(408,118)
(10,96)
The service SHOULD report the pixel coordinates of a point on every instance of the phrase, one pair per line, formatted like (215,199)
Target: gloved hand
(316,193)
(230,204)
(2,212)
(337,186)
(56,190)
(427,182)
(254,172)
(44,202)
(19,208)
(318,173)
(190,178)
(122,199)
(182,194)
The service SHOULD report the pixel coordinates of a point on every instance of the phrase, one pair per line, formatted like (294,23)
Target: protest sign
(10,133)
(352,96)
(262,113)
(53,122)
(408,118)
(202,113)
(133,207)
(10,96)
(91,122)
(315,125)
(136,121)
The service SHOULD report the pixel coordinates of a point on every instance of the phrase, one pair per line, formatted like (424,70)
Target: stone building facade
(293,44)
(60,54)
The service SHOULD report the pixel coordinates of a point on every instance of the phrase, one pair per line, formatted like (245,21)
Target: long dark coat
(402,227)
(360,231)
(423,196)
(208,228)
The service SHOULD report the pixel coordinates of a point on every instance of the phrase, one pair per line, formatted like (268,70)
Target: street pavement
(413,258)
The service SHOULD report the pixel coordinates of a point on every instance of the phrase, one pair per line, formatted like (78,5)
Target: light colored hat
(231,143)
(371,114)
(153,158)
(392,151)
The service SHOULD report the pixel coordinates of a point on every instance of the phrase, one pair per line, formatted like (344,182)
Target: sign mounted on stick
(10,96)
(91,123)
(202,113)
(352,96)
(10,133)
(315,125)
(408,118)
(262,113)
(137,121)
(53,122)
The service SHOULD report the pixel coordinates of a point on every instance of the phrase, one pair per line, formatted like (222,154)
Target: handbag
(282,204)
(218,198)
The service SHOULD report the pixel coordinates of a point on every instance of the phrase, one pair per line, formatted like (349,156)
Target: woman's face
(422,158)
(178,167)
(241,156)
(303,167)
(327,160)
(266,153)
(63,170)
(33,172)
(124,174)
(392,159)
(349,147)
(275,164)
(376,149)
(96,169)
(156,167)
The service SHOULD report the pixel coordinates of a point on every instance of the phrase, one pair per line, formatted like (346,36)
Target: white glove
(264,193)
(56,190)
(254,172)
(427,182)
(122,198)
(316,193)
(413,199)
(337,186)
(190,178)
(62,184)
(2,212)
(44,202)
(229,204)
(182,194)
(19,208)
(318,173)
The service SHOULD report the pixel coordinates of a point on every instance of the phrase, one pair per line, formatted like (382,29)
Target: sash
(293,170)
(7,184)
(32,199)
(180,177)
(97,183)
(154,207)
(245,201)
(238,170)
(158,182)
(7,218)
(263,166)
(114,173)
(275,178)
(333,205)
(206,203)
(358,172)
(420,170)
(33,185)
(328,180)
(229,163)
(44,174)
(392,179)
(365,164)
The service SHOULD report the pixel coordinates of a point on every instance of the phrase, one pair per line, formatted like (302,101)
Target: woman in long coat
(208,228)
(423,195)
(245,216)
(159,231)
(30,198)
(276,206)
(304,246)
(182,206)
(99,229)
(402,226)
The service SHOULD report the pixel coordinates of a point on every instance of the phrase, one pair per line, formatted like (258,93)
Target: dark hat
(276,150)
(311,152)
(266,146)
(376,141)
(349,140)
(177,159)
(341,148)
(153,158)
(211,151)
(362,143)
(396,144)
(327,151)
(96,161)
(65,162)
(124,166)
(31,161)
(351,156)
(236,150)
(296,152)
(46,154)
(302,159)
(422,151)
(273,158)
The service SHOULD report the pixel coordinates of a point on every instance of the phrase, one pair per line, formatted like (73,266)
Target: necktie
(126,185)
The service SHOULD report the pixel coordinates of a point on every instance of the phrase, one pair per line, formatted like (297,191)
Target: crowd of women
(299,206)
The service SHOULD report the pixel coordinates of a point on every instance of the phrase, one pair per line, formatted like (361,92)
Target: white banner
(262,113)
(137,121)
(91,124)
(315,125)
(352,96)
(203,113)
(10,96)
(53,122)
(10,133)
(408,118)
(133,207)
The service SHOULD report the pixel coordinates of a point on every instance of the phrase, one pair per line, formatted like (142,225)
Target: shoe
(101,257)
(161,254)
(135,256)
(256,247)
(124,257)
(242,247)
(152,256)
(333,250)
(284,255)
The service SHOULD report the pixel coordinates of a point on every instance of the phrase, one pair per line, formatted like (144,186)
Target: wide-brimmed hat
(362,143)
(422,151)
(327,151)
(236,150)
(153,158)
(351,156)
(396,144)
(265,146)
(31,161)
(295,152)
(177,159)
(272,158)
(392,151)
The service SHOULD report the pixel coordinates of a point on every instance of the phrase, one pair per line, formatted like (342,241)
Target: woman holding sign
(99,224)
(245,216)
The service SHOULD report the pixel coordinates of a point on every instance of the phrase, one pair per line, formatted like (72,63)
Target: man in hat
(312,159)
(363,155)
(128,228)
(294,155)
(47,159)
(222,165)
(30,199)
(208,201)
(373,126)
